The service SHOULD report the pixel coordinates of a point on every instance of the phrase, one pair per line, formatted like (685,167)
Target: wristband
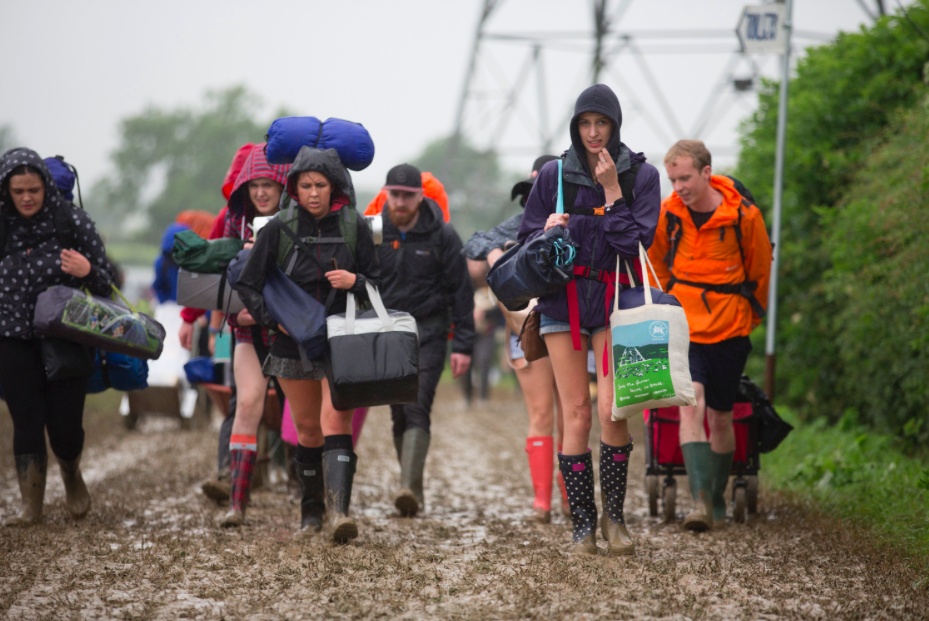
(214,330)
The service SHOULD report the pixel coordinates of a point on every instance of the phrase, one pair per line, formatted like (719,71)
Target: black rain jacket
(425,274)
(306,273)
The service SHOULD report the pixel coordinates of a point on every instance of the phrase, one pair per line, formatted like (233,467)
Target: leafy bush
(845,342)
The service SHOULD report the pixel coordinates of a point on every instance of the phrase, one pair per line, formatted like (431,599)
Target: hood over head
(598,98)
(523,188)
(327,163)
(238,161)
(167,240)
(256,165)
(13,159)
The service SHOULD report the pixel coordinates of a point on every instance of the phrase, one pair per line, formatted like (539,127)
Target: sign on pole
(761,29)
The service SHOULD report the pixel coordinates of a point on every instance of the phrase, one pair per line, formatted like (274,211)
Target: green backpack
(348,227)
(195,254)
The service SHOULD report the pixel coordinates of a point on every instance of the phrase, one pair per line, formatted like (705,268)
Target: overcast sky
(72,70)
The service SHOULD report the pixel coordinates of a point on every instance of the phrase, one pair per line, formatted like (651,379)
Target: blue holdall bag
(287,135)
(119,372)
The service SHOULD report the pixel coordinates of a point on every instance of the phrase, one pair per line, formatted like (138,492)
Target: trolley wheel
(752,494)
(739,512)
(651,488)
(670,496)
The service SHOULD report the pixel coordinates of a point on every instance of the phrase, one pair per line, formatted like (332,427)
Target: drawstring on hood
(601,99)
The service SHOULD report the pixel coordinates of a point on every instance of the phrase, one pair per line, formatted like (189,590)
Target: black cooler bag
(373,356)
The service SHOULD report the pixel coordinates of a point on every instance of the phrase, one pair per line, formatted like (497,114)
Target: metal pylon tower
(631,355)
(511,113)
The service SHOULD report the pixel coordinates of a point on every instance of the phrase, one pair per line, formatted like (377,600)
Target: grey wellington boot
(338,474)
(30,470)
(77,498)
(409,500)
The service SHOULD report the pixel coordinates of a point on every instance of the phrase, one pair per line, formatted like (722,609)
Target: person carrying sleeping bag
(44,241)
(256,192)
(424,275)
(713,254)
(325,247)
(611,198)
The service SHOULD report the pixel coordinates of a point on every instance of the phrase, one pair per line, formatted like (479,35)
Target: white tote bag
(651,344)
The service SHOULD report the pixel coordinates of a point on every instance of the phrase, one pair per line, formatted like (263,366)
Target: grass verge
(861,477)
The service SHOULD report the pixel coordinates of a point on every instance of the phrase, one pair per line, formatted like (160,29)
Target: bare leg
(334,422)
(692,429)
(537,382)
(722,436)
(570,368)
(305,397)
(251,387)
(614,433)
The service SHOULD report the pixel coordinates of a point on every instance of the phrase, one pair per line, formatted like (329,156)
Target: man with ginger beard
(424,274)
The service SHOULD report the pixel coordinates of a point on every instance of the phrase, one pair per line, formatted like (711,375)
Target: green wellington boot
(77,498)
(720,468)
(697,462)
(409,500)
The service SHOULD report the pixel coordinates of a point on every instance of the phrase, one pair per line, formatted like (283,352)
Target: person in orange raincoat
(712,252)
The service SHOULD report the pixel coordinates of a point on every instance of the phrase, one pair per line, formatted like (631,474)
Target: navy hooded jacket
(599,238)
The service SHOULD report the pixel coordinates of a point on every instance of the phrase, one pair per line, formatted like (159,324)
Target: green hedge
(855,163)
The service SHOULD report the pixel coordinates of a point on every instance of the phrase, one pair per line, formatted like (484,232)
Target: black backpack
(746,288)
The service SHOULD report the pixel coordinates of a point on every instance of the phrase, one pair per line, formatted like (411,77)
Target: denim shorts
(547,325)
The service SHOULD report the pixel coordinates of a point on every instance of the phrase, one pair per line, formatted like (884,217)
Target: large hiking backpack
(746,288)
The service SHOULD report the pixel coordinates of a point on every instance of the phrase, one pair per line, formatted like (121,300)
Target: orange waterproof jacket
(432,188)
(712,256)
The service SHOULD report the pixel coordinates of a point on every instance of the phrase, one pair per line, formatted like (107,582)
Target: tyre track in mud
(150,550)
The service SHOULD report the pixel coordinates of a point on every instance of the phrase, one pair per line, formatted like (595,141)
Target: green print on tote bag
(651,345)
(640,362)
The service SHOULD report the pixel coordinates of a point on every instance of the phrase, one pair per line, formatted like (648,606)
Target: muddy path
(149,548)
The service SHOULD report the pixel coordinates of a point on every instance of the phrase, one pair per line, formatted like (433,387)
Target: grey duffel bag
(207,291)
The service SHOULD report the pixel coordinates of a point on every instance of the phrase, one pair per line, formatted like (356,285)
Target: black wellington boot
(313,498)
(338,474)
(614,472)
(30,470)
(578,472)
(77,498)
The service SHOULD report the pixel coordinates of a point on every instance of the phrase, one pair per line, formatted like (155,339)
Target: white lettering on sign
(761,29)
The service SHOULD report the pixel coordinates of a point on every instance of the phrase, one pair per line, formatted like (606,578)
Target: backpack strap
(674,231)
(348,226)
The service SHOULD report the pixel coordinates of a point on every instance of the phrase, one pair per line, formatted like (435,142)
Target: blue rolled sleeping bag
(287,135)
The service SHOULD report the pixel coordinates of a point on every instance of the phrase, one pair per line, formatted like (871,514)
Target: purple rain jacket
(599,238)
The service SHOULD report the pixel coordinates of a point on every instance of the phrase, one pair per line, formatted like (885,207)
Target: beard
(401,219)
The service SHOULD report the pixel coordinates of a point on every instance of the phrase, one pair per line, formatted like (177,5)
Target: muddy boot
(614,471)
(30,470)
(243,465)
(217,488)
(697,462)
(77,498)
(338,474)
(578,472)
(409,500)
(313,498)
(541,468)
(720,468)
